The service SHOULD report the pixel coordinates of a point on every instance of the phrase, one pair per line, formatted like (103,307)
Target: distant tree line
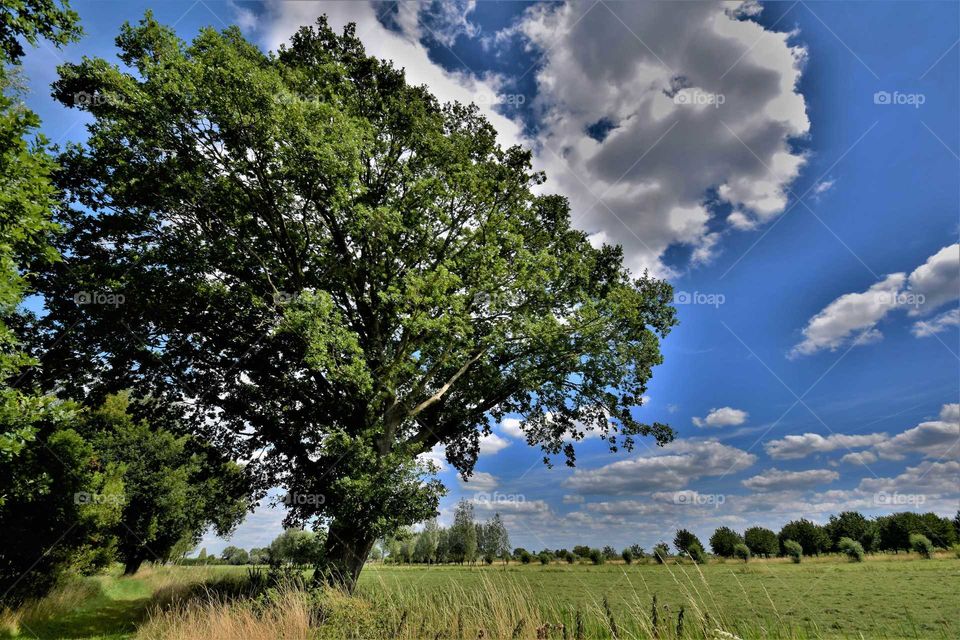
(466,541)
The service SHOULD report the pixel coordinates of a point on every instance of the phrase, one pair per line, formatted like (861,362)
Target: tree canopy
(331,273)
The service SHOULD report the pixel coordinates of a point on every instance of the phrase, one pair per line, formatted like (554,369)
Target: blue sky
(792,168)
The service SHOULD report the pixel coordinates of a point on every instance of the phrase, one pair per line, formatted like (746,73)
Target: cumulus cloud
(774,479)
(853,317)
(437,455)
(860,457)
(692,100)
(934,439)
(722,417)
(479,481)
(673,467)
(937,281)
(928,478)
(938,324)
(801,446)
(492,443)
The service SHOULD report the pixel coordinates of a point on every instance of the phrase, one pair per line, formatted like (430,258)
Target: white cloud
(673,467)
(511,427)
(492,443)
(572,499)
(437,455)
(722,417)
(938,324)
(800,446)
(852,318)
(860,457)
(650,69)
(479,481)
(776,480)
(927,478)
(934,439)
(937,280)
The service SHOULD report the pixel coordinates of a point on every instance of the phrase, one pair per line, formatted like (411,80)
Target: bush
(544,557)
(525,556)
(627,556)
(697,554)
(921,544)
(852,548)
(793,550)
(488,558)
(742,552)
(956,550)
(661,552)
(570,557)
(596,556)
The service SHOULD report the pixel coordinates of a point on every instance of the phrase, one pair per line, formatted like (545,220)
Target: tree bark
(131,566)
(344,555)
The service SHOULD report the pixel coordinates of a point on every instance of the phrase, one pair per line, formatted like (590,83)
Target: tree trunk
(132,565)
(344,555)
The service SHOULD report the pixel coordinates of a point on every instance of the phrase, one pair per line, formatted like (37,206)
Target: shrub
(488,558)
(544,557)
(793,550)
(852,548)
(956,550)
(742,552)
(570,557)
(697,554)
(627,556)
(525,556)
(661,552)
(921,544)
(596,556)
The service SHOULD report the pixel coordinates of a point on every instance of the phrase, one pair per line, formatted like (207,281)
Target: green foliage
(463,534)
(61,502)
(627,556)
(812,537)
(597,557)
(522,555)
(32,21)
(684,540)
(235,555)
(741,552)
(387,278)
(762,542)
(544,557)
(298,548)
(852,525)
(175,488)
(793,550)
(852,548)
(895,529)
(697,554)
(724,540)
(661,552)
(922,545)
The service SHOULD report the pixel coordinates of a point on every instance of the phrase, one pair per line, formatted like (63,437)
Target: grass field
(886,596)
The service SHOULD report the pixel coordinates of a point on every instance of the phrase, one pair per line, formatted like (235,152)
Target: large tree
(333,274)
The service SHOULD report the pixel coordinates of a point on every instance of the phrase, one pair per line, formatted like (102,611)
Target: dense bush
(697,554)
(597,556)
(741,552)
(661,552)
(627,556)
(544,557)
(812,537)
(921,544)
(723,541)
(793,550)
(852,548)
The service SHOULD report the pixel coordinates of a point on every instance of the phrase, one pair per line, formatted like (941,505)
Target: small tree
(724,540)
(762,542)
(684,539)
(793,550)
(852,549)
(544,557)
(596,556)
(627,556)
(741,551)
(609,553)
(661,552)
(697,554)
(922,545)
